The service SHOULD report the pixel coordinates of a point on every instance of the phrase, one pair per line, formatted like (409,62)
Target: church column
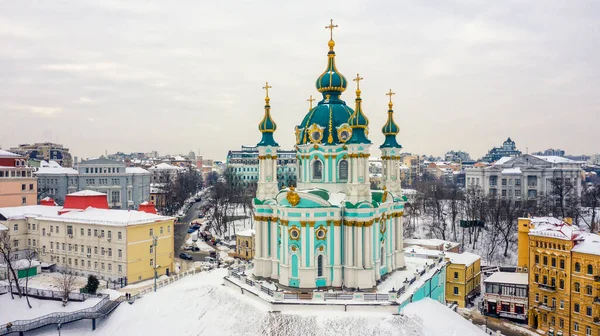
(274,261)
(257,239)
(264,237)
(303,240)
(349,246)
(369,246)
(358,231)
(337,244)
(311,241)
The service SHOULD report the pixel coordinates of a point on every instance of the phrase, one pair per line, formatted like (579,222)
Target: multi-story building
(244,244)
(125,187)
(508,149)
(45,151)
(524,177)
(88,238)
(463,272)
(457,156)
(413,163)
(205,166)
(563,263)
(506,295)
(551,152)
(18,185)
(244,164)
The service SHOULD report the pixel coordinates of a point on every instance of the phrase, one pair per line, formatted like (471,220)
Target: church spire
(358,121)
(267,126)
(390,129)
(331,80)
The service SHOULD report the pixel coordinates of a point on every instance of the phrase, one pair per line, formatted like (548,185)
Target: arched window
(317,170)
(320,265)
(577,267)
(343,169)
(590,270)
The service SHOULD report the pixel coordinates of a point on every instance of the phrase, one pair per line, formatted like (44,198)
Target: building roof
(3,228)
(431,243)
(53,167)
(4,153)
(590,244)
(107,217)
(136,170)
(87,193)
(465,258)
(555,159)
(508,278)
(21,212)
(555,228)
(437,319)
(246,233)
(512,171)
(101,161)
(165,166)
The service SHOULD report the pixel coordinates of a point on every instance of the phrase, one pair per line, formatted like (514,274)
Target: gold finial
(390,104)
(310,100)
(330,27)
(267,87)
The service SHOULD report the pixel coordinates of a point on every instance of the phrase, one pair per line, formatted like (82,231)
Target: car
(201,216)
(195,226)
(191,230)
(192,248)
(184,255)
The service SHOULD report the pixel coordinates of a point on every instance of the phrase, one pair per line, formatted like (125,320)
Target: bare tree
(66,283)
(30,256)
(590,199)
(7,254)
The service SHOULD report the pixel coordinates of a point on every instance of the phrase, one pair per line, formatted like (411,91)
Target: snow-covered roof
(21,212)
(465,258)
(508,278)
(86,193)
(431,243)
(437,319)
(509,171)
(590,244)
(164,166)
(53,167)
(24,264)
(4,153)
(107,217)
(246,233)
(3,228)
(553,227)
(555,159)
(503,160)
(136,170)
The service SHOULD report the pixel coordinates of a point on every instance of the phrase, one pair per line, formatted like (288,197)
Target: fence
(54,318)
(46,294)
(165,282)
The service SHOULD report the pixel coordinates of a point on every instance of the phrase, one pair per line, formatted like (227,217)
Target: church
(332,230)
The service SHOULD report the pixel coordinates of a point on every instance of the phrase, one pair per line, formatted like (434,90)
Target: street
(181,233)
(493,323)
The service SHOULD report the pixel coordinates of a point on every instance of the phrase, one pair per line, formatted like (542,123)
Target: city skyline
(175,78)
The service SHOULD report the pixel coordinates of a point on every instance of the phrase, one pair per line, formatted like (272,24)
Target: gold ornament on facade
(294,248)
(321,248)
(384,196)
(321,233)
(344,132)
(298,133)
(292,197)
(315,134)
(382,227)
(294,233)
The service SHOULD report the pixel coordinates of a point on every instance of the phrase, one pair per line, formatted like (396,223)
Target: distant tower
(390,152)
(267,154)
(358,186)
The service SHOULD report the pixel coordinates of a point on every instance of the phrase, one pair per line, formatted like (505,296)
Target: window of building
(545,300)
(320,265)
(562,304)
(537,257)
(120,253)
(590,269)
(82,232)
(95,249)
(110,267)
(562,264)
(109,234)
(588,331)
(517,193)
(588,290)
(161,230)
(110,252)
(561,284)
(151,232)
(95,265)
(119,235)
(31,186)
(553,262)
(576,307)
(15,227)
(317,170)
(576,326)
(577,267)
(95,232)
(89,232)
(545,260)
(503,181)
(537,297)
(102,266)
(576,287)
(151,249)
(23,187)
(536,278)
(169,229)
(588,311)
(102,251)
(561,323)
(343,170)
(120,268)
(151,262)
(545,280)
(455,275)
(455,290)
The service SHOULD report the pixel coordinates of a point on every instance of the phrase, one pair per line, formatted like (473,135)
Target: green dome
(359,123)
(331,80)
(267,127)
(390,129)
(329,114)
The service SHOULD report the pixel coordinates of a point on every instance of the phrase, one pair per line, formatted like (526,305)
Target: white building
(524,177)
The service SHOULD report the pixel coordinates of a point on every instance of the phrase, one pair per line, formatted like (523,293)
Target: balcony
(597,278)
(597,320)
(597,300)
(547,288)
(546,307)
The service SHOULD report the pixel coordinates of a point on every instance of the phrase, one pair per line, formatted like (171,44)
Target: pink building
(18,185)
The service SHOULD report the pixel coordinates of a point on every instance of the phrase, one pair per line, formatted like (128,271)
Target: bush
(92,284)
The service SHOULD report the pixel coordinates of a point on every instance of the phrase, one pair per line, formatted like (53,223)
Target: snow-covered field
(200,305)
(48,281)
(17,309)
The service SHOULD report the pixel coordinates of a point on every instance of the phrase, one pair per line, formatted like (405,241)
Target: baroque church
(332,230)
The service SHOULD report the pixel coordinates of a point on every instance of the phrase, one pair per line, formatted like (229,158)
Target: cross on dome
(310,100)
(267,87)
(390,94)
(330,27)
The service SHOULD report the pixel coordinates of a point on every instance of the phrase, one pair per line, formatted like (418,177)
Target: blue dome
(331,80)
(329,114)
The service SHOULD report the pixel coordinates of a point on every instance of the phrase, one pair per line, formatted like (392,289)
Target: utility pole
(155,243)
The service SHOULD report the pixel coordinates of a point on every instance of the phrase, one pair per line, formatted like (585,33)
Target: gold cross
(390,94)
(357,80)
(330,27)
(311,100)
(267,87)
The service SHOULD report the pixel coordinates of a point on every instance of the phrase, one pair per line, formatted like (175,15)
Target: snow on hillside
(200,305)
(17,309)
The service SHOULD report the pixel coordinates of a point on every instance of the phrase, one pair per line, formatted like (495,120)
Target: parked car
(210,260)
(192,230)
(201,216)
(184,255)
(195,226)
(192,248)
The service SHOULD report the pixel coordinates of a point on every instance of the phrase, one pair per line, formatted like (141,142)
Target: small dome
(267,124)
(390,130)
(331,80)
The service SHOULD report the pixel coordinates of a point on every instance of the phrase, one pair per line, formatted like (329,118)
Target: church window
(343,167)
(317,170)
(320,265)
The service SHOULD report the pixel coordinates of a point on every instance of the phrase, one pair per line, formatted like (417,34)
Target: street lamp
(154,244)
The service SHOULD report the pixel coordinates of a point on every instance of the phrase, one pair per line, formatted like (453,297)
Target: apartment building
(244,244)
(506,295)
(564,276)
(87,237)
(244,165)
(18,185)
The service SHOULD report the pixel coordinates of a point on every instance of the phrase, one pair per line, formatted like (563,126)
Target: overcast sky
(174,76)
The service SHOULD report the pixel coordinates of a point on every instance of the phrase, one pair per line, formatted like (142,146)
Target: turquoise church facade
(331,230)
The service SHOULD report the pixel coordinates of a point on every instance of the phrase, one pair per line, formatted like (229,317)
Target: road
(493,324)
(181,234)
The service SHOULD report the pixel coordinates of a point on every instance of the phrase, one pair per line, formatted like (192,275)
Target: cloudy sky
(174,76)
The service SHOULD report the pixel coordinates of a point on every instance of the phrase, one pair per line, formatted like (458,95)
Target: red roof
(84,199)
(147,207)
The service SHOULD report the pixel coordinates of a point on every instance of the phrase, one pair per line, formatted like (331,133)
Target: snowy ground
(47,281)
(200,305)
(17,309)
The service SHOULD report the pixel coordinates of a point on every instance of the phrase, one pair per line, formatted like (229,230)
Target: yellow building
(463,273)
(562,262)
(114,245)
(244,244)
